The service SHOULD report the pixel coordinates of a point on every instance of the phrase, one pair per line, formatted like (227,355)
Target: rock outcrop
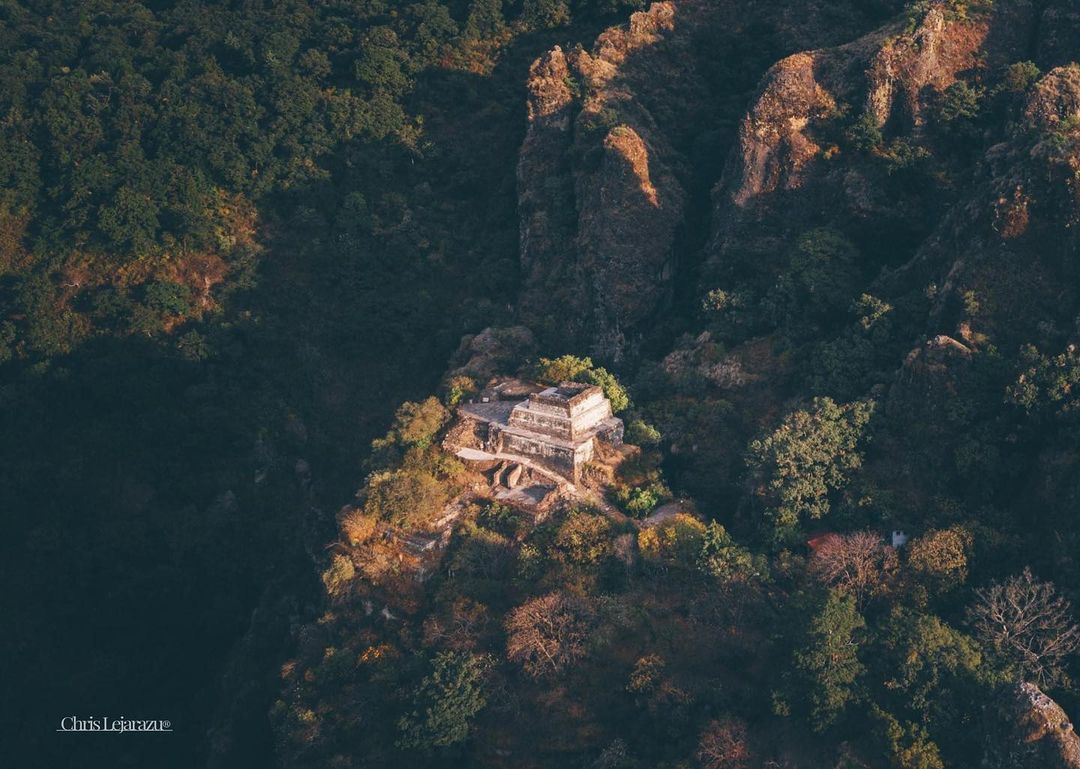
(1028,730)
(622,139)
(1003,259)
(598,200)
(990,239)
(788,172)
(545,187)
(774,146)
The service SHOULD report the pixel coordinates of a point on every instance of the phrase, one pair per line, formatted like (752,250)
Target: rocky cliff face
(987,234)
(792,169)
(795,166)
(621,140)
(857,138)
(598,200)
(1030,731)
(1002,261)
(1005,257)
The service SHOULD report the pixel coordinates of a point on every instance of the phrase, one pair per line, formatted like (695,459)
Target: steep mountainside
(926,166)
(1037,732)
(821,257)
(858,137)
(622,138)
(831,251)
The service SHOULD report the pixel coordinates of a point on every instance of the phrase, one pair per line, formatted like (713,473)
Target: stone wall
(591,400)
(546,423)
(612,432)
(591,413)
(565,460)
(557,457)
(573,421)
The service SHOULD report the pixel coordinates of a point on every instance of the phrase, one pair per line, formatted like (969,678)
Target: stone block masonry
(557,427)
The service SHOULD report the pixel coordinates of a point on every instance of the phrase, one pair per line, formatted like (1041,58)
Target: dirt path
(663,513)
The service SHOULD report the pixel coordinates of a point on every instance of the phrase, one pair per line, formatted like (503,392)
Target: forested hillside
(845,313)
(235,236)
(820,257)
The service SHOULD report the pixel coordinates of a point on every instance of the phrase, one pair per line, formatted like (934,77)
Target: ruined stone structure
(557,427)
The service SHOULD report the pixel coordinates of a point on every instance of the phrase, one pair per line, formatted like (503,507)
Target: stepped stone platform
(556,427)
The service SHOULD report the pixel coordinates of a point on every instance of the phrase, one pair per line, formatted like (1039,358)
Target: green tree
(411,496)
(51,328)
(736,314)
(382,63)
(721,557)
(829,661)
(818,284)
(861,355)
(129,222)
(315,63)
(939,558)
(479,554)
(677,540)
(959,102)
(336,579)
(931,667)
(193,347)
(545,14)
(641,433)
(446,702)
(1048,386)
(565,368)
(570,368)
(415,424)
(584,538)
(8,337)
(1019,77)
(865,134)
(810,455)
(909,744)
(485,20)
(615,392)
(639,501)
(168,298)
(432,30)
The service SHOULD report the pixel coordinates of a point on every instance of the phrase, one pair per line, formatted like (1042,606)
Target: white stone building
(557,427)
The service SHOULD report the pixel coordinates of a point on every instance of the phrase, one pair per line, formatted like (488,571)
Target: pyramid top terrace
(556,426)
(570,412)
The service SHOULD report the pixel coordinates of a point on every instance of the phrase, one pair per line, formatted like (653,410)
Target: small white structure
(899,538)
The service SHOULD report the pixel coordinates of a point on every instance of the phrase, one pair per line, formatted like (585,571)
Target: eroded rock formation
(620,141)
(598,201)
(1028,730)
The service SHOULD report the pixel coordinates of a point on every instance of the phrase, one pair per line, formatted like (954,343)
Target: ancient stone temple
(557,427)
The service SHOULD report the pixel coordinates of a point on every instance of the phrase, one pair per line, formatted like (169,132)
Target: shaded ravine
(475,124)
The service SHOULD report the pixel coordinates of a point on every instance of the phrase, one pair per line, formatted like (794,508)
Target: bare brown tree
(460,627)
(860,564)
(1029,624)
(548,633)
(723,745)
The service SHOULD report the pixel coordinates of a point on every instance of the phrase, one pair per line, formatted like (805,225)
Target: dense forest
(821,258)
(235,237)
